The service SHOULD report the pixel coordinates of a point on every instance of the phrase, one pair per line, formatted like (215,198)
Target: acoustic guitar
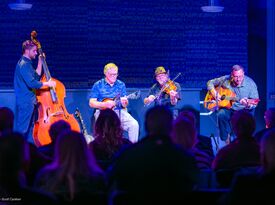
(228,97)
(132,96)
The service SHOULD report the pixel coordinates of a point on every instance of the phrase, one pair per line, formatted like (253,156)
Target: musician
(26,81)
(114,90)
(169,96)
(246,93)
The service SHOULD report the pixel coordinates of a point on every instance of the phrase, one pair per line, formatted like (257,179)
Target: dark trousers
(25,118)
(224,116)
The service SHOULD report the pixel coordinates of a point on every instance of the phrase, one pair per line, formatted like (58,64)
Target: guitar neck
(117,98)
(81,121)
(84,130)
(230,98)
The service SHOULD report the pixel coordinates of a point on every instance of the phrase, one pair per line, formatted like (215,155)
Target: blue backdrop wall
(80,37)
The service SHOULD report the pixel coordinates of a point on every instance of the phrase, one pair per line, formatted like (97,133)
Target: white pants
(128,123)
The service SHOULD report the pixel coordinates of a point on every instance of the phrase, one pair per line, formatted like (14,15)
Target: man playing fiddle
(109,93)
(164,91)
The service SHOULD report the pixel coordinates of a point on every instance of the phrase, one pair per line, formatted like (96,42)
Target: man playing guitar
(114,91)
(245,96)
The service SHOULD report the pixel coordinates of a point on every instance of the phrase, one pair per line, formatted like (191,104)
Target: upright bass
(51,107)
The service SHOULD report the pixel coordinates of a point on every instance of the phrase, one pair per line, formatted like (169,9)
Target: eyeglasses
(113,74)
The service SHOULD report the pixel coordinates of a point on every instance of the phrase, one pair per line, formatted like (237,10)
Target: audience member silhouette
(55,129)
(257,188)
(243,152)
(6,120)
(155,168)
(44,155)
(108,138)
(269,117)
(204,143)
(185,134)
(73,176)
(37,159)
(14,161)
(268,152)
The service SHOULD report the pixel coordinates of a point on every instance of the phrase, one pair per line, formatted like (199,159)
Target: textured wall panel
(80,37)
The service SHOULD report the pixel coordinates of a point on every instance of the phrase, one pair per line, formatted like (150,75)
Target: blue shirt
(26,80)
(101,90)
(248,89)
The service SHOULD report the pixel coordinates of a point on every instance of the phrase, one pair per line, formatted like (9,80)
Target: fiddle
(169,86)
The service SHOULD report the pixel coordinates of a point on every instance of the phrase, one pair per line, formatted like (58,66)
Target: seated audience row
(165,165)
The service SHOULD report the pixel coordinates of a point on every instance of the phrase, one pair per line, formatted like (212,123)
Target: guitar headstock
(77,113)
(134,95)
